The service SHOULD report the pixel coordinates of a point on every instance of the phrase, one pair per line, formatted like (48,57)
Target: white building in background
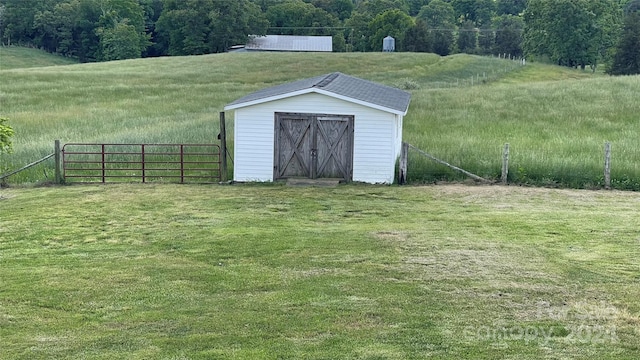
(287,43)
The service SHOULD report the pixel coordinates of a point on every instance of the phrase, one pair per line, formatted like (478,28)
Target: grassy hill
(14,57)
(250,271)
(556,119)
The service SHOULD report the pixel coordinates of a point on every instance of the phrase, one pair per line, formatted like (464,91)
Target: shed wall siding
(375,134)
(253,147)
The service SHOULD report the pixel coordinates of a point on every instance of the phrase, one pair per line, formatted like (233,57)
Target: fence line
(2,177)
(403,165)
(89,162)
(607,165)
(471,80)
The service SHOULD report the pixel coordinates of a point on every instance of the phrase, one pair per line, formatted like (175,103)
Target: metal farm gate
(176,163)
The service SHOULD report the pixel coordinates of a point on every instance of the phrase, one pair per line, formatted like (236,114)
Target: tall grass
(556,119)
(556,131)
(14,57)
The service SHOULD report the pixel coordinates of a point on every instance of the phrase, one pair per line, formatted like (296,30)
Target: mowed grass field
(555,119)
(352,272)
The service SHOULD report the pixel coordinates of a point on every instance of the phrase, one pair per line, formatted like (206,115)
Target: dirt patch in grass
(5,195)
(477,192)
(491,264)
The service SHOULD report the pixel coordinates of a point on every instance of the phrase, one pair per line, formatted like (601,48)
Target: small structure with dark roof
(328,126)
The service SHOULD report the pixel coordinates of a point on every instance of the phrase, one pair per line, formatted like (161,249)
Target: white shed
(329,126)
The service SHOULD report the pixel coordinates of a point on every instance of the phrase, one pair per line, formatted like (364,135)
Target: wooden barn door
(293,145)
(313,146)
(334,146)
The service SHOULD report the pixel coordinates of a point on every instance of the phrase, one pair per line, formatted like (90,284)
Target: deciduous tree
(478,11)
(440,19)
(192,27)
(121,29)
(232,22)
(510,7)
(69,29)
(6,133)
(486,39)
(357,32)
(394,23)
(339,8)
(418,38)
(627,57)
(508,38)
(300,18)
(17,20)
(467,38)
(375,7)
(120,41)
(416,5)
(571,32)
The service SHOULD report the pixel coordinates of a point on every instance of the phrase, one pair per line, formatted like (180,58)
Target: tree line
(577,33)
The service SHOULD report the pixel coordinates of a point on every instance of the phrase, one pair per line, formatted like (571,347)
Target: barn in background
(330,126)
(292,43)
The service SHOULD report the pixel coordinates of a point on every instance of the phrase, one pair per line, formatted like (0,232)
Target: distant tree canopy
(440,19)
(394,23)
(510,7)
(508,38)
(627,55)
(194,27)
(300,18)
(571,32)
(574,33)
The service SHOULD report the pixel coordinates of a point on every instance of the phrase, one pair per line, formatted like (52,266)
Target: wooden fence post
(607,165)
(505,164)
(223,148)
(402,172)
(58,165)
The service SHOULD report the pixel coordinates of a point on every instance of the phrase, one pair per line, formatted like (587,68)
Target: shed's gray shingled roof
(339,84)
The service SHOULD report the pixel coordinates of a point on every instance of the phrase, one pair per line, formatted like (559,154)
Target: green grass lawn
(555,119)
(15,57)
(352,272)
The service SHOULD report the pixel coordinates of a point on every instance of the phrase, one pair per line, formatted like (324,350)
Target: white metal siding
(398,140)
(290,43)
(373,160)
(375,136)
(253,146)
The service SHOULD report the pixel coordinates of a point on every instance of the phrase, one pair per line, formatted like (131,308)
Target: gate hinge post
(223,148)
(58,162)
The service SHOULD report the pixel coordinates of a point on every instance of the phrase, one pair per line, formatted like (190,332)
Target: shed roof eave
(239,105)
(317,91)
